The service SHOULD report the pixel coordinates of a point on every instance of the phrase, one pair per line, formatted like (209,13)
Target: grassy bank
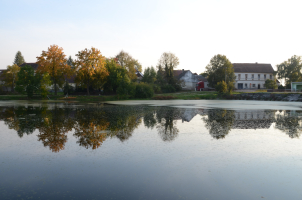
(185,95)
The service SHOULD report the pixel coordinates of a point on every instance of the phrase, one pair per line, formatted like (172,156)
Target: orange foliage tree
(90,66)
(54,62)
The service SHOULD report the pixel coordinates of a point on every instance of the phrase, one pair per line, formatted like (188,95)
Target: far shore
(184,95)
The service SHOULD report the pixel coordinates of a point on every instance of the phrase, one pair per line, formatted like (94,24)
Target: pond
(151,150)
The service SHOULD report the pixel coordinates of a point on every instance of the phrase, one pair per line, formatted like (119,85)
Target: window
(253,76)
(246,77)
(254,85)
(258,76)
(264,85)
(245,85)
(271,77)
(239,76)
(264,76)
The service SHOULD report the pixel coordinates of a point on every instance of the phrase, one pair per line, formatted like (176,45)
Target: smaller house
(189,79)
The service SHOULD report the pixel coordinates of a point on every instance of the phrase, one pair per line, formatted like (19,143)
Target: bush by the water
(221,87)
(143,90)
(135,90)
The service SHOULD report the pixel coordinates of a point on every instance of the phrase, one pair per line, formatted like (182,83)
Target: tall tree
(129,63)
(54,62)
(290,70)
(19,59)
(12,71)
(149,75)
(116,75)
(28,82)
(220,69)
(91,69)
(70,62)
(168,62)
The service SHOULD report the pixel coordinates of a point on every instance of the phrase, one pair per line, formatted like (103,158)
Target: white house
(189,79)
(252,75)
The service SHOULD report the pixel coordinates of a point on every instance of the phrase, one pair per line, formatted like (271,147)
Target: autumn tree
(54,62)
(12,71)
(19,59)
(91,69)
(220,69)
(129,63)
(290,70)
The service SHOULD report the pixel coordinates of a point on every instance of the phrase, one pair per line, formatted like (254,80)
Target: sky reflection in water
(131,152)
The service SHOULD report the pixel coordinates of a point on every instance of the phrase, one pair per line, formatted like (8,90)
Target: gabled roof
(201,78)
(33,65)
(179,73)
(253,68)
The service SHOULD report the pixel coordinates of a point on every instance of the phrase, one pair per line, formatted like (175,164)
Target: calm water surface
(102,151)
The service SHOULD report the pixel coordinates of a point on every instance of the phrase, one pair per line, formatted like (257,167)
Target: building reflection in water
(92,124)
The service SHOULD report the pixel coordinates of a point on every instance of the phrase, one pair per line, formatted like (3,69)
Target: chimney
(256,63)
(183,70)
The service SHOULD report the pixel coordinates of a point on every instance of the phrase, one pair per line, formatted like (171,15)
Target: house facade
(252,75)
(189,79)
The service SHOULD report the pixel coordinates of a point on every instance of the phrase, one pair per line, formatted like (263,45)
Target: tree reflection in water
(219,122)
(290,123)
(166,123)
(92,124)
(54,127)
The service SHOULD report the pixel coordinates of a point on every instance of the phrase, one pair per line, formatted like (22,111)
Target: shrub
(168,89)
(144,90)
(221,87)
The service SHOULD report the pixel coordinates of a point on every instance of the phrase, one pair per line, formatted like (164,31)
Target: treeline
(91,71)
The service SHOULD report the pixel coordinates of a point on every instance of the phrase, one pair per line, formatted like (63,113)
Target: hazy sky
(194,30)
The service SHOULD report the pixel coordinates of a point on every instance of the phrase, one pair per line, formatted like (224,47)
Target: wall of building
(251,82)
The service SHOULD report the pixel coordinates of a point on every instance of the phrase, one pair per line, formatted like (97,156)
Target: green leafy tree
(70,62)
(220,69)
(290,70)
(271,84)
(149,75)
(45,83)
(117,73)
(28,83)
(19,59)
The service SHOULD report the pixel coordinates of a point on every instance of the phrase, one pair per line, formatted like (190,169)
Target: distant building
(189,79)
(296,86)
(252,75)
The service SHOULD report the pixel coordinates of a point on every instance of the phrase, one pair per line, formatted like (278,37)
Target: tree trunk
(88,90)
(13,88)
(55,83)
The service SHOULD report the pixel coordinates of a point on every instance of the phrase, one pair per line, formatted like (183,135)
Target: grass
(185,95)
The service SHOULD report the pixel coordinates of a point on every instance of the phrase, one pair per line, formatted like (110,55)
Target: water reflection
(93,124)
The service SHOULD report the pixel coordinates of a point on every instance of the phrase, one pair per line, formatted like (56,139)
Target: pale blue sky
(194,30)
